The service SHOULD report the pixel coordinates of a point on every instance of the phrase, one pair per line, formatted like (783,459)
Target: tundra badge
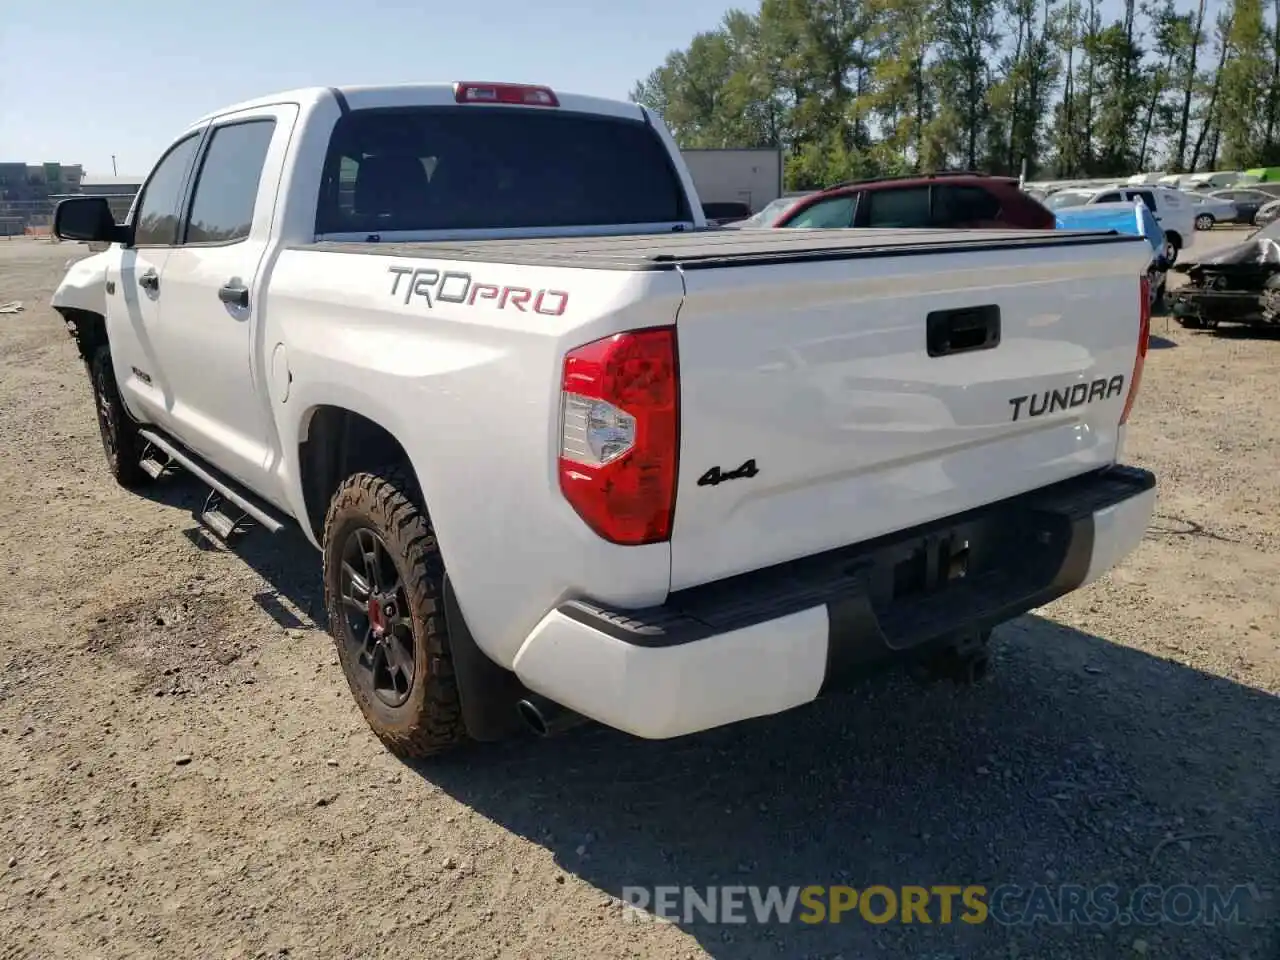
(1077,395)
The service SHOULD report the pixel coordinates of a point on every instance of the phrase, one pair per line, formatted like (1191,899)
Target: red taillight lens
(505,93)
(619,423)
(1144,337)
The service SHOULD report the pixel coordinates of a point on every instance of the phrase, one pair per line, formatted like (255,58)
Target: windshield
(1059,200)
(492,168)
(772,212)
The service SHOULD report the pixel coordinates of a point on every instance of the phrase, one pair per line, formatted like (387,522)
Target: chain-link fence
(34,218)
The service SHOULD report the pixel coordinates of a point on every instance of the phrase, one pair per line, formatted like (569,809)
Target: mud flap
(488,692)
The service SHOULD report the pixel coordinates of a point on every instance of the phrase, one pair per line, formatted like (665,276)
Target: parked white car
(1210,210)
(1174,210)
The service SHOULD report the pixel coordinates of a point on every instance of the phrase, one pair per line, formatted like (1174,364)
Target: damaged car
(1240,284)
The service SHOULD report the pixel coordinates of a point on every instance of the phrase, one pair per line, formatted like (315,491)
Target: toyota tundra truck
(566,452)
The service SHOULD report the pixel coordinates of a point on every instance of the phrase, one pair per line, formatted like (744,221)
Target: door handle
(949,332)
(149,281)
(234,294)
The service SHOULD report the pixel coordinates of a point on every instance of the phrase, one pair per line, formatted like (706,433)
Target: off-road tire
(122,444)
(387,501)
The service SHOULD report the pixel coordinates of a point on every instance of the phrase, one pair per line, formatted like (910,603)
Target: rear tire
(387,621)
(1205,221)
(1157,293)
(121,441)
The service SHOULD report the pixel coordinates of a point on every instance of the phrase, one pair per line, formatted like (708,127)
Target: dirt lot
(183,772)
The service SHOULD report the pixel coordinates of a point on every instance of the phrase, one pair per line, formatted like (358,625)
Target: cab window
(962,206)
(227,184)
(903,207)
(156,215)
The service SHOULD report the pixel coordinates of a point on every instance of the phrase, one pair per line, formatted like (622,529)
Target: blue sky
(85,79)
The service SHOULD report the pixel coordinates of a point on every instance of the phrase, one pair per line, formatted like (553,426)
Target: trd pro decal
(433,286)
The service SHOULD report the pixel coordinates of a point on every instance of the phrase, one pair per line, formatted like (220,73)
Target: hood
(1262,253)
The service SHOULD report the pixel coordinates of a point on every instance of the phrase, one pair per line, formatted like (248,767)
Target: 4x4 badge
(716,476)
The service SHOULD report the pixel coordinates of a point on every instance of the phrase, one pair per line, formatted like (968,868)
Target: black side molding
(343,107)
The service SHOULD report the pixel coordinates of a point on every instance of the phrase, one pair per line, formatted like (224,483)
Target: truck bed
(721,248)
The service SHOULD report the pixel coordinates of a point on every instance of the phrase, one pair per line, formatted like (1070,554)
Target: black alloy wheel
(384,589)
(378,631)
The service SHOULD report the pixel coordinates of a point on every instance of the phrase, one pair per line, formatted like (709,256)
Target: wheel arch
(88,330)
(335,442)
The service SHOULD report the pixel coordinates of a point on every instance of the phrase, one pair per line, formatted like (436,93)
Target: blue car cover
(1135,218)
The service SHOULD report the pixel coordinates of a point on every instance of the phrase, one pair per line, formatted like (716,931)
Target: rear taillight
(619,434)
(1144,337)
(520,93)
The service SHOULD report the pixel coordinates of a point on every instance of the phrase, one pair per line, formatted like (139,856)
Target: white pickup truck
(566,452)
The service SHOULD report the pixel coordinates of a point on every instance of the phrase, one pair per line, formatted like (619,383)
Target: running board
(224,492)
(152,463)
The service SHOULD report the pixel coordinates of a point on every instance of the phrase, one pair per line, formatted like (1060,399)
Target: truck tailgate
(825,402)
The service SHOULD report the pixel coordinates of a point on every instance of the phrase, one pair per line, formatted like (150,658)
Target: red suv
(957,201)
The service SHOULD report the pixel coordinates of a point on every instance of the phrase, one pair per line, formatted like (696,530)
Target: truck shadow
(286,561)
(1070,764)
(1077,761)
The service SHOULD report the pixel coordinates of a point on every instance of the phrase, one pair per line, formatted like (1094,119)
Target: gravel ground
(183,772)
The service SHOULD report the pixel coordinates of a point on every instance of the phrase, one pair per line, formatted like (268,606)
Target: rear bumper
(774,639)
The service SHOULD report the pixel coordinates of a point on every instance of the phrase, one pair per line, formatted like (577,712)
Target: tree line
(856,88)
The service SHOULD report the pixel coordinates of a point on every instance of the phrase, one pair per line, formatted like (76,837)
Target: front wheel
(1205,221)
(121,441)
(384,584)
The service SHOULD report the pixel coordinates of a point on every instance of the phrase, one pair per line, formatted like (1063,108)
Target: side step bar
(223,488)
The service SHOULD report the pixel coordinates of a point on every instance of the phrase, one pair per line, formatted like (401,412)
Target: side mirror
(86,219)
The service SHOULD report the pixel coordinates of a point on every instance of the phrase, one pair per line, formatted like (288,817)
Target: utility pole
(114,172)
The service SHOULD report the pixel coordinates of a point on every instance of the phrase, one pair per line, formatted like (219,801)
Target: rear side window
(1108,198)
(477,168)
(227,184)
(960,206)
(1147,197)
(904,207)
(836,212)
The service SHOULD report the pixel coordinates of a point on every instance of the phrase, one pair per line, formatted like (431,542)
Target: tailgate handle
(963,330)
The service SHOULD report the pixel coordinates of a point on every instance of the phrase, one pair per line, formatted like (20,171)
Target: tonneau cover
(718,248)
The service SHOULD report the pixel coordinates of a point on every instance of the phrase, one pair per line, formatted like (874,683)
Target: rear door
(211,294)
(825,403)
